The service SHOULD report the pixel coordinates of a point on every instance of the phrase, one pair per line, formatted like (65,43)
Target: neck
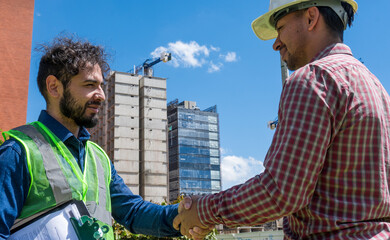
(321,38)
(320,44)
(67,122)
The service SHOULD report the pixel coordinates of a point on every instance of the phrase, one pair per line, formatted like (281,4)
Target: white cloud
(192,54)
(231,57)
(215,49)
(185,54)
(214,67)
(236,170)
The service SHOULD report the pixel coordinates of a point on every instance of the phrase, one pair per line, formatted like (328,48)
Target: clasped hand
(188,220)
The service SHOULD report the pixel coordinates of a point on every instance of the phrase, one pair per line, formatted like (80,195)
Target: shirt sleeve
(292,164)
(15,182)
(137,215)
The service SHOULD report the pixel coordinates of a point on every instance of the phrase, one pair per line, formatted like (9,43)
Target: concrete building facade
(15,51)
(132,130)
(194,156)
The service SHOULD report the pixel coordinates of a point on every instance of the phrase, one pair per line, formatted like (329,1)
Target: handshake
(188,222)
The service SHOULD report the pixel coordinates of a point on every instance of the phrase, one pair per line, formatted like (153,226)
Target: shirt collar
(337,48)
(60,130)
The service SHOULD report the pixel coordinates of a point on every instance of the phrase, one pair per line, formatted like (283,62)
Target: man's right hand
(188,220)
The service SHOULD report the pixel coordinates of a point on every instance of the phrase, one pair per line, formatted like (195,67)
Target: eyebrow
(90,80)
(94,81)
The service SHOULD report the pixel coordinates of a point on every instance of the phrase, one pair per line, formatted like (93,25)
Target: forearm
(140,216)
(247,204)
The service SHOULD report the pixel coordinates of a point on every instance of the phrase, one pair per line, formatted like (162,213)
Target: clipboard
(54,223)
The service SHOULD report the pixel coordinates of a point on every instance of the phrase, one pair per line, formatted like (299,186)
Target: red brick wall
(16,23)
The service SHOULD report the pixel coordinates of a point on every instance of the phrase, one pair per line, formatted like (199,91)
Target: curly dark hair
(64,57)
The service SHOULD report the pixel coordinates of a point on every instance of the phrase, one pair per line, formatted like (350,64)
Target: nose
(277,44)
(99,95)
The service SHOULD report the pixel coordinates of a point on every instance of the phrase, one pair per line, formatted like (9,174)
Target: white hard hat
(264,26)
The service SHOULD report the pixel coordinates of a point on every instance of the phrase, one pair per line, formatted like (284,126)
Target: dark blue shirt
(130,210)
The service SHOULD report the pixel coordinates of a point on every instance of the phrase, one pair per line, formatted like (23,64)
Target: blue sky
(217,59)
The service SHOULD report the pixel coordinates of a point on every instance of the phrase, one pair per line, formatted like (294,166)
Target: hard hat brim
(265,31)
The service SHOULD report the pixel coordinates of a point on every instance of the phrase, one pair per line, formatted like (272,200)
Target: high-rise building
(15,51)
(132,130)
(194,156)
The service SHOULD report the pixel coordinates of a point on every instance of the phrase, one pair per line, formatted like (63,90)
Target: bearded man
(52,161)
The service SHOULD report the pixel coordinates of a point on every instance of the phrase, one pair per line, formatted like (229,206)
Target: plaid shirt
(328,165)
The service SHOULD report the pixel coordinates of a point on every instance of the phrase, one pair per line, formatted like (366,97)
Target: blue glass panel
(190,173)
(194,150)
(194,159)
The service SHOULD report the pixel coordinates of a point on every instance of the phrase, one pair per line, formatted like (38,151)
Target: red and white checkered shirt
(327,170)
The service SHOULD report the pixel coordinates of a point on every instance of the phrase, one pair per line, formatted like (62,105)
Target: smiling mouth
(94,107)
(282,52)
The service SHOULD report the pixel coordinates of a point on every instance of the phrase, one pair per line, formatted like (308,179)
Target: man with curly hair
(52,161)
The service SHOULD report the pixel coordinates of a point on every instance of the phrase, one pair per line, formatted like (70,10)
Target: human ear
(53,86)
(312,16)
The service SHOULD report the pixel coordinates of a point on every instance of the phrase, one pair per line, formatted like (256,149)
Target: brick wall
(15,51)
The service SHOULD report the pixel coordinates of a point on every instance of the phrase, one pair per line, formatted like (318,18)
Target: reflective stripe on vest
(100,211)
(61,189)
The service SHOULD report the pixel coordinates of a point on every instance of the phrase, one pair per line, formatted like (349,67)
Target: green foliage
(1,137)
(120,232)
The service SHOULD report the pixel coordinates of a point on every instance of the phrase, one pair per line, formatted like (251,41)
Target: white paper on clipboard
(55,225)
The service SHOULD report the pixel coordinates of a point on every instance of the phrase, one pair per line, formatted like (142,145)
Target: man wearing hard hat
(327,169)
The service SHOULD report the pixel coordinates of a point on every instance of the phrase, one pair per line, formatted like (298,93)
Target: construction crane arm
(148,63)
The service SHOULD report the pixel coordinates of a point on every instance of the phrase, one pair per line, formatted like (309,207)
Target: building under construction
(132,130)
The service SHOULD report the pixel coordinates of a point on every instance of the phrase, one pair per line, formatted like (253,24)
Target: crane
(148,63)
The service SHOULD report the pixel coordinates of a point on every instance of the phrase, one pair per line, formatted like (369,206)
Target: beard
(70,108)
(296,61)
(297,56)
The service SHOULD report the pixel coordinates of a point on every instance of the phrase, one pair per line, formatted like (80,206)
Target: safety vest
(56,177)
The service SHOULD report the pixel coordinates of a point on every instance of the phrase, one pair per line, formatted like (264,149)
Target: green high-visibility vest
(56,177)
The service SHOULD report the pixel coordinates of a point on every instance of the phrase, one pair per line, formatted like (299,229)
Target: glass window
(197,142)
(212,119)
(213,135)
(215,185)
(194,150)
(213,128)
(193,142)
(213,144)
(214,152)
(199,166)
(194,159)
(214,160)
(186,184)
(194,133)
(189,173)
(198,125)
(215,175)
